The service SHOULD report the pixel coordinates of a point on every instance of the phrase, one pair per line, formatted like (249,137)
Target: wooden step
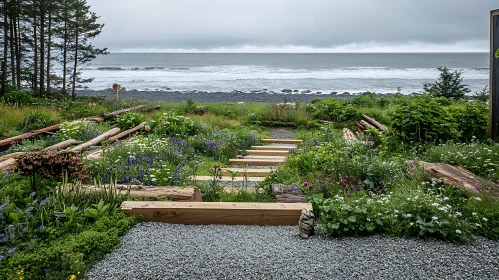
(266,157)
(273,148)
(225,213)
(282,141)
(150,192)
(267,153)
(227,178)
(248,171)
(257,162)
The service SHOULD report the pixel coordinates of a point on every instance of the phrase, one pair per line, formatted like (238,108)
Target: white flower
(396,216)
(458,214)
(411,224)
(446,198)
(474,213)
(434,218)
(396,211)
(458,231)
(478,199)
(485,219)
(435,204)
(408,215)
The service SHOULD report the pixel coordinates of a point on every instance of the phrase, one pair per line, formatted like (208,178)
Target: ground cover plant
(356,188)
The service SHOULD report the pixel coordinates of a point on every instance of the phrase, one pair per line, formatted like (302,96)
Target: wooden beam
(348,135)
(267,153)
(226,213)
(265,157)
(257,162)
(375,123)
(494,76)
(239,178)
(122,111)
(155,107)
(282,141)
(248,171)
(63,145)
(151,192)
(273,148)
(127,132)
(96,140)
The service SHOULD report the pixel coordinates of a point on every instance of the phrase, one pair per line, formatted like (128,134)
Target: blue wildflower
(5,176)
(12,236)
(42,227)
(11,250)
(1,257)
(32,194)
(29,209)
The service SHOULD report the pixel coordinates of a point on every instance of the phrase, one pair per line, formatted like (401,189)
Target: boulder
(286,91)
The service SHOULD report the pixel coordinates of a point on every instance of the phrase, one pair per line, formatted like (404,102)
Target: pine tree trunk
(49,45)
(65,58)
(5,49)
(42,48)
(77,35)
(12,52)
(35,51)
(18,51)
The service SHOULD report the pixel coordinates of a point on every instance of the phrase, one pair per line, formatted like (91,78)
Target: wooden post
(494,76)
(116,87)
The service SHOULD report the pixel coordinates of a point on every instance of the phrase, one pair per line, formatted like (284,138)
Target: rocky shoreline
(234,96)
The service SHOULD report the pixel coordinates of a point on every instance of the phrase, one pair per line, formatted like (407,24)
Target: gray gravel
(165,251)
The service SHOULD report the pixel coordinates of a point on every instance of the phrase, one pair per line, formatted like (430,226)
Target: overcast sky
(294,25)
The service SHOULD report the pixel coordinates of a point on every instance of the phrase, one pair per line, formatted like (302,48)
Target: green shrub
(422,119)
(472,120)
(19,97)
(172,124)
(83,130)
(38,118)
(449,85)
(129,120)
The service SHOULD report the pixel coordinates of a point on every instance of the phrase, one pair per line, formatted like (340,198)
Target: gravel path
(165,251)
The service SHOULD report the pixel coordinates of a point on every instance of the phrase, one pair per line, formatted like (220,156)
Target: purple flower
(32,194)
(12,236)
(45,201)
(29,209)
(25,229)
(1,258)
(5,176)
(349,195)
(219,169)
(11,250)
(42,227)
(305,184)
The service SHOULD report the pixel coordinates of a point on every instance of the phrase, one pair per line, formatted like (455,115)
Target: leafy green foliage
(129,120)
(172,124)
(18,97)
(37,119)
(423,119)
(497,53)
(449,84)
(472,120)
(83,130)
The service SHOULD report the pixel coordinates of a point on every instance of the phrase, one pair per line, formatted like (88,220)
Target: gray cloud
(209,24)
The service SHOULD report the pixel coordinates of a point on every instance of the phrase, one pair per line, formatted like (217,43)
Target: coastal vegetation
(53,227)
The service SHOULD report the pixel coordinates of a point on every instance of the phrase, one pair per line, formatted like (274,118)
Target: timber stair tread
(248,171)
(228,178)
(228,213)
(264,157)
(274,148)
(282,141)
(257,162)
(267,153)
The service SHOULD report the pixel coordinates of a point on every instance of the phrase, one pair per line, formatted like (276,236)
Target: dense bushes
(449,85)
(171,124)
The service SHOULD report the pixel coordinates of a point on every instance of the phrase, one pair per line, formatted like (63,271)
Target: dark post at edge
(494,76)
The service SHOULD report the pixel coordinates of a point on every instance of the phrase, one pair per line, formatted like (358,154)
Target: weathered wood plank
(122,111)
(264,157)
(348,135)
(228,213)
(227,178)
(127,132)
(7,165)
(152,192)
(282,141)
(494,76)
(375,123)
(457,177)
(257,162)
(96,140)
(273,148)
(248,171)
(267,153)
(155,107)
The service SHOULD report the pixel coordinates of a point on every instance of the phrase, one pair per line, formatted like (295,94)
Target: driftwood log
(366,125)
(64,145)
(127,132)
(155,107)
(154,193)
(348,135)
(287,193)
(96,140)
(455,176)
(27,135)
(122,111)
(15,155)
(375,123)
(7,165)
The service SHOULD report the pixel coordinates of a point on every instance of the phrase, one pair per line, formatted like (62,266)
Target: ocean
(326,73)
